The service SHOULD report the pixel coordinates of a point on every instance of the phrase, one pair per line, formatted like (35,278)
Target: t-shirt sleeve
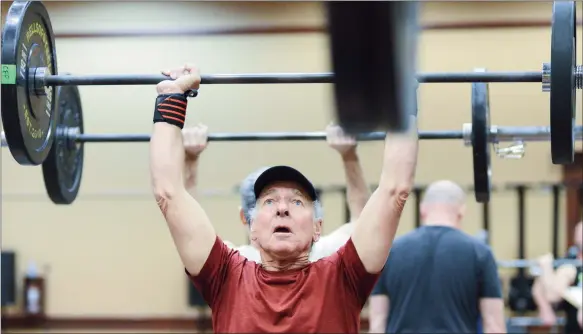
(380,288)
(215,271)
(357,279)
(489,281)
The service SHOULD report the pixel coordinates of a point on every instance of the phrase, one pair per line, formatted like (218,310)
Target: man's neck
(272,263)
(440,222)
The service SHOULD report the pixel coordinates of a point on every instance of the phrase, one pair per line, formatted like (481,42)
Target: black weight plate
(63,167)
(563,89)
(27,43)
(373,51)
(481,141)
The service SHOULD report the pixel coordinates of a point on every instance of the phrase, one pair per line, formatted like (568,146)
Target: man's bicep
(492,312)
(215,271)
(489,280)
(378,313)
(191,230)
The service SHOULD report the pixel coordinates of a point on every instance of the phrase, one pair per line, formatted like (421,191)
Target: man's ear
(242,216)
(317,230)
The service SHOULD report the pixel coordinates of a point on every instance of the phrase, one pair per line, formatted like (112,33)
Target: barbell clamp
(517,150)
(546,77)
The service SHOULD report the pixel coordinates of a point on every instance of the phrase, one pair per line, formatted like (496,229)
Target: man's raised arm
(377,225)
(189,225)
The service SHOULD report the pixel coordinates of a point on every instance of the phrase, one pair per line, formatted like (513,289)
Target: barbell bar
(279,78)
(524,263)
(499,134)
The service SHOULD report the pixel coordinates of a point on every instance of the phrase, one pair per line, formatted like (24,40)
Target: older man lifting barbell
(285,292)
(357,191)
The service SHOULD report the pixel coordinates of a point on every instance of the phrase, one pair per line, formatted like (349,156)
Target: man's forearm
(357,191)
(400,159)
(190,174)
(547,280)
(166,159)
(538,294)
(377,225)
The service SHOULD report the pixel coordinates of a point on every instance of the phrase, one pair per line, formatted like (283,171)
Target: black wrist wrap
(171,108)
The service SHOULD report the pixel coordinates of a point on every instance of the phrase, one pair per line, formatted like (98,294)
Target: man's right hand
(339,141)
(183,78)
(195,140)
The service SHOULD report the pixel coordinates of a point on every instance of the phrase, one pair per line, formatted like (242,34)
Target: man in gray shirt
(438,279)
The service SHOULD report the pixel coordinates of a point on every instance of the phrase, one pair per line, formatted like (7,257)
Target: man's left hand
(195,140)
(339,141)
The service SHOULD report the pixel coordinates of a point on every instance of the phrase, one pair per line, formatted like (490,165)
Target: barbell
(524,263)
(376,96)
(63,167)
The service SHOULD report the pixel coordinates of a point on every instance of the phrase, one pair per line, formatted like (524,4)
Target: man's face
(284,224)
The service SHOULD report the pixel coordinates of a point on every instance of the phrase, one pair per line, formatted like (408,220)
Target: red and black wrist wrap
(171,109)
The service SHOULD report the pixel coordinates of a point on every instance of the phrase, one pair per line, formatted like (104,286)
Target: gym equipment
(28,51)
(562,81)
(373,46)
(525,264)
(556,191)
(480,140)
(520,297)
(29,71)
(63,167)
(530,321)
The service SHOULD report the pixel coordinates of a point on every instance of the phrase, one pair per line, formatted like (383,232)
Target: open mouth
(282,229)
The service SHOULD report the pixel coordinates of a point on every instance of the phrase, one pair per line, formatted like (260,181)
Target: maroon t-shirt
(326,296)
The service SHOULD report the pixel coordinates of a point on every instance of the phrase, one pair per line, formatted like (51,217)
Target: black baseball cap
(283,173)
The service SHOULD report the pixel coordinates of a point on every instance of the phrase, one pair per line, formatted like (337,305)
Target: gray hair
(318,211)
(248,200)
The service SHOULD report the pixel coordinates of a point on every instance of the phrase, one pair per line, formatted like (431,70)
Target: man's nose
(282,209)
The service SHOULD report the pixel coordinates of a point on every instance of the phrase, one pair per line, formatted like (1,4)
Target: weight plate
(63,167)
(28,48)
(563,88)
(481,141)
(373,52)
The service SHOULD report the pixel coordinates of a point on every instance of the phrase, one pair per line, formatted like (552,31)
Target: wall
(110,253)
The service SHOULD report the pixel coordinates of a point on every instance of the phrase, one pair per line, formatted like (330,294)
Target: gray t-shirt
(435,277)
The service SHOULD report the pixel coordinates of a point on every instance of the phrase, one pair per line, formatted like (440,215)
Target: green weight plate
(481,141)
(563,88)
(373,48)
(28,48)
(63,167)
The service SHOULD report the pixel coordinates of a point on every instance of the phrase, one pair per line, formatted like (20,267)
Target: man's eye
(268,201)
(297,202)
